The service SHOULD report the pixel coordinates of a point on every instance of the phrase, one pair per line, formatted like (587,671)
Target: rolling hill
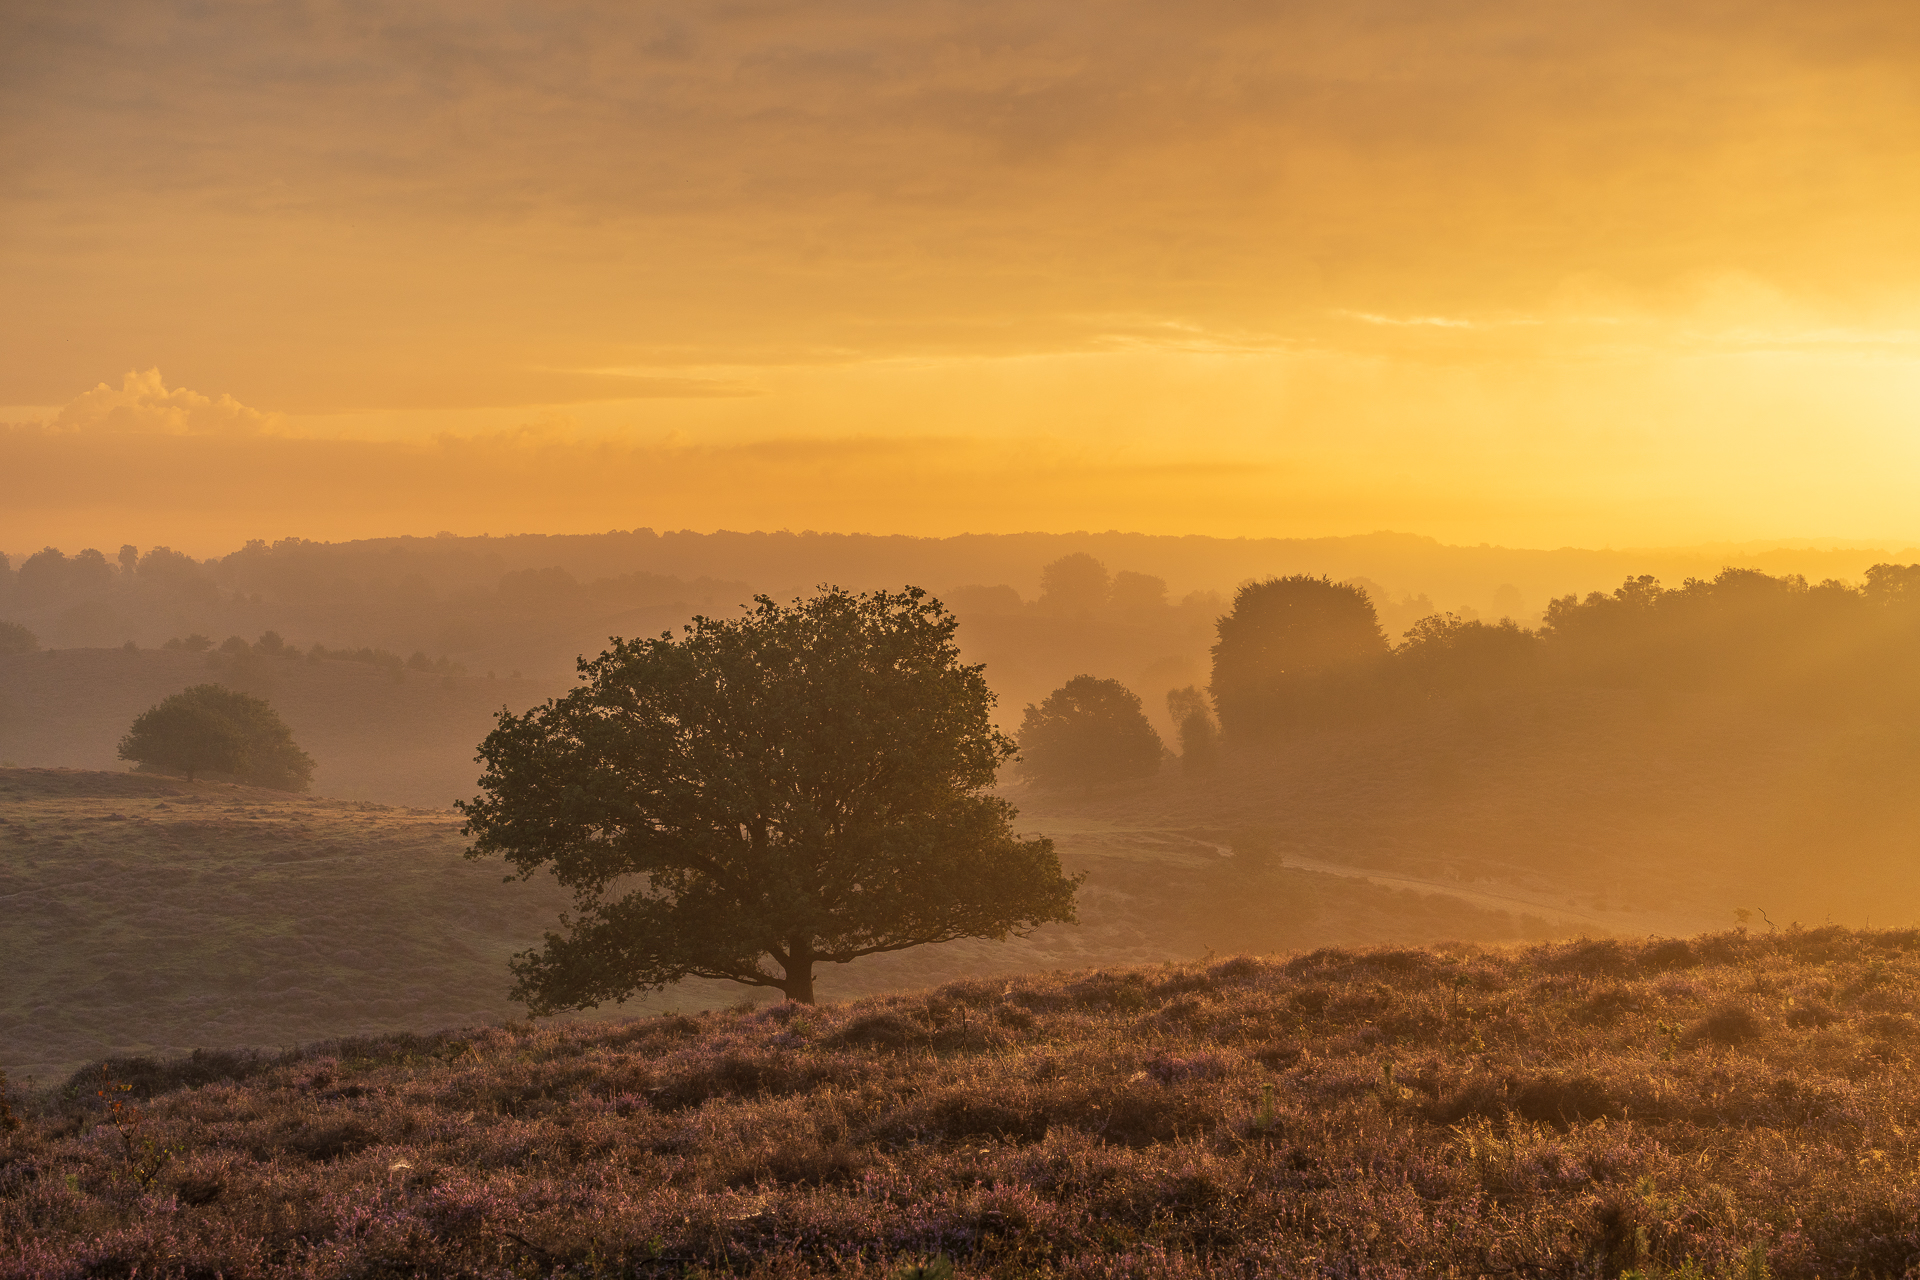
(147,915)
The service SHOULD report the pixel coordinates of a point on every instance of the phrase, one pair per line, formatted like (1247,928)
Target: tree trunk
(799,967)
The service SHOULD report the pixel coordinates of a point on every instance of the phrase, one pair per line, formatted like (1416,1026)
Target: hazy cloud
(143,403)
(357,193)
(1487,268)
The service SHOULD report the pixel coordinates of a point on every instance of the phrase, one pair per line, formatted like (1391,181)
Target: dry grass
(1743,1104)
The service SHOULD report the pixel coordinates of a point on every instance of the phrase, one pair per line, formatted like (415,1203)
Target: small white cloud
(143,404)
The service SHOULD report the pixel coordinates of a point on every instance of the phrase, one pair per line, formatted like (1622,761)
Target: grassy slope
(1746,1102)
(150,915)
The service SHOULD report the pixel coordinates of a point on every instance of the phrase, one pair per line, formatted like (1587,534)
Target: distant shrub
(195,643)
(388,660)
(1199,736)
(213,729)
(15,638)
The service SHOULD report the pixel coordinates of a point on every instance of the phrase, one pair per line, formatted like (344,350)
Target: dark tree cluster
(1299,652)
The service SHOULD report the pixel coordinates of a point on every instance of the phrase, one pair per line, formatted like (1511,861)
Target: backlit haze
(1536,274)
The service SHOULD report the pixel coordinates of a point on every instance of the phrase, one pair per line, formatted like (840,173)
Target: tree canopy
(800,785)
(15,638)
(1292,649)
(1088,731)
(1442,653)
(1199,745)
(215,730)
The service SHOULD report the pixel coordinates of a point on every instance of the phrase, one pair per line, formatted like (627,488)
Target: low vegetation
(213,730)
(1735,1104)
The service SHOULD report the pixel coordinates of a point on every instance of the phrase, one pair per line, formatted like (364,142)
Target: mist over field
(1526,764)
(949,640)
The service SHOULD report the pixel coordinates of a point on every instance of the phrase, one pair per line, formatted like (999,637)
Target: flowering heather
(1729,1105)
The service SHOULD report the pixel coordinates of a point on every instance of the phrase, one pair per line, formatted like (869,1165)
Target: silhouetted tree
(803,784)
(15,638)
(1088,731)
(1444,654)
(213,729)
(42,576)
(1293,650)
(88,571)
(1893,585)
(1199,738)
(1074,583)
(1137,592)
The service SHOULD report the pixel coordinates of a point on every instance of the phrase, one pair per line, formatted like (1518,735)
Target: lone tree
(1294,650)
(15,638)
(1088,731)
(799,785)
(212,729)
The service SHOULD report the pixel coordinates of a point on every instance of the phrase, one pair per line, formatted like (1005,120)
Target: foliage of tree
(1825,644)
(800,785)
(1086,732)
(1137,593)
(211,729)
(1445,654)
(1075,583)
(1294,650)
(1199,736)
(15,638)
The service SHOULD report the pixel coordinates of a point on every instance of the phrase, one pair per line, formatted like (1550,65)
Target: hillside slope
(151,915)
(1730,1105)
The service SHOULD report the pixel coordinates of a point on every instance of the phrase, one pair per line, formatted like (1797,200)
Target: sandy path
(1546,904)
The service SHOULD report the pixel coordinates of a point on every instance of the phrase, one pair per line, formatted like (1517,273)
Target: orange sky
(1516,272)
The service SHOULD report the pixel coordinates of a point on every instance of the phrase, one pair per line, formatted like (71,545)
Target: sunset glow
(1537,275)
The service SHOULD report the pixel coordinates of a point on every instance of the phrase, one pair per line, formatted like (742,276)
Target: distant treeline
(1303,650)
(421,597)
(1286,648)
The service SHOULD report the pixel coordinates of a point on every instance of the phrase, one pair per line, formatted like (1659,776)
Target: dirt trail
(1546,904)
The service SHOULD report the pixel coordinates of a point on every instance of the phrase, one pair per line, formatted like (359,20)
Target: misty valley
(1341,893)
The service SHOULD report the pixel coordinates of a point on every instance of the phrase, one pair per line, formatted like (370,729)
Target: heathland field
(1739,1104)
(148,915)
